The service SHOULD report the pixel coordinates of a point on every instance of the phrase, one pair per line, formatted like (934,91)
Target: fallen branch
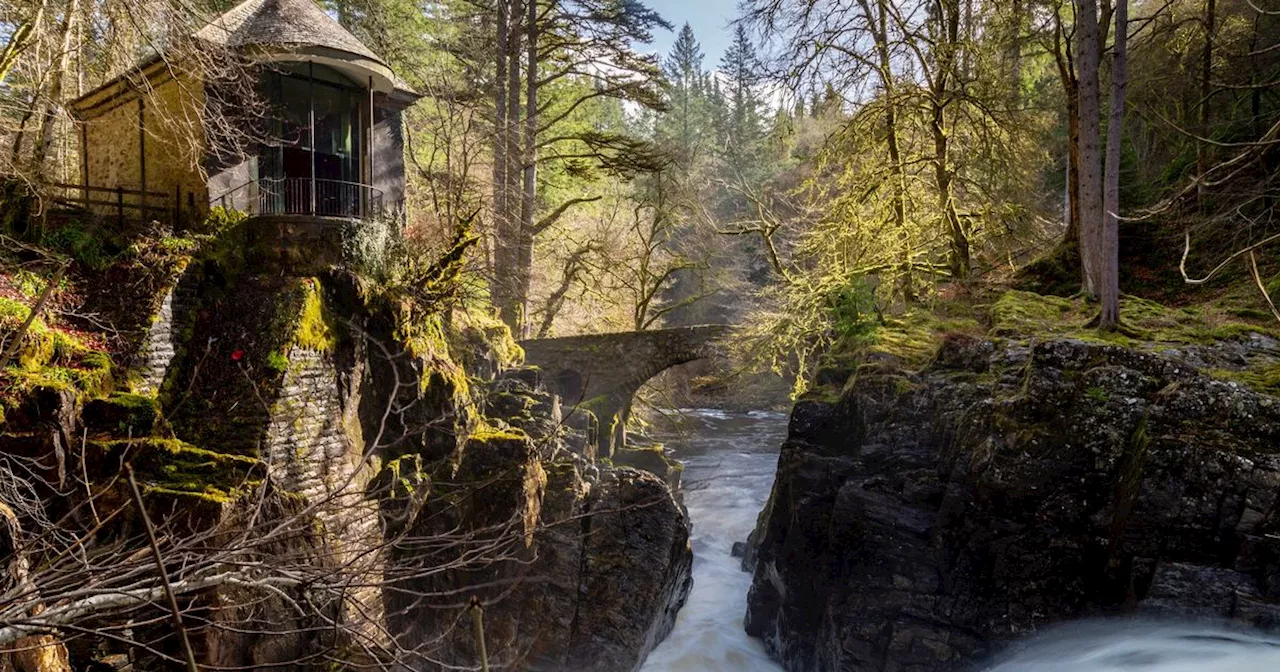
(1257,278)
(1186,250)
(44,297)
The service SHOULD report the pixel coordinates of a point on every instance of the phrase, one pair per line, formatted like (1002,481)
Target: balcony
(303,197)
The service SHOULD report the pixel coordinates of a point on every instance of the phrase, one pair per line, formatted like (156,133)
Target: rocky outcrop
(369,465)
(585,565)
(921,518)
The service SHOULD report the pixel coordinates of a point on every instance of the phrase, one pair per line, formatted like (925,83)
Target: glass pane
(295,96)
(333,121)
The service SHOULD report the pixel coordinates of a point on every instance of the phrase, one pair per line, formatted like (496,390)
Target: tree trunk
(1014,51)
(503,245)
(1090,156)
(45,139)
(897,175)
(1071,91)
(529,156)
(1109,285)
(958,257)
(517,274)
(18,41)
(1072,236)
(1206,92)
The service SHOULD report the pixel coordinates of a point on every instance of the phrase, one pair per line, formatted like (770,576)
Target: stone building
(316,137)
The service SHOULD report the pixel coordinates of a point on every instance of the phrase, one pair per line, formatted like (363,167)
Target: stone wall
(166,124)
(175,128)
(163,341)
(112,150)
(306,447)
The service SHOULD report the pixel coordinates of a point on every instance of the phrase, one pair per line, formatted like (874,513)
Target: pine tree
(741,69)
(685,121)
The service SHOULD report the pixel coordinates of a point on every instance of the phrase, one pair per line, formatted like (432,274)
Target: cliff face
(585,564)
(922,518)
(334,473)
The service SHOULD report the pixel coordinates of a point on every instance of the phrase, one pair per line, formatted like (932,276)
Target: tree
(1090,152)
(566,43)
(741,70)
(684,124)
(1109,267)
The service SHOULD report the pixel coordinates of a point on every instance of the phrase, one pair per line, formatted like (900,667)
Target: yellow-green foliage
(315,329)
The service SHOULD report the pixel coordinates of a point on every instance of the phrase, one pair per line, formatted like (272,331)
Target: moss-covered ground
(911,339)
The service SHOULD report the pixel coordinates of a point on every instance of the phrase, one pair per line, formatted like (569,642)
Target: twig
(477,626)
(1257,277)
(164,576)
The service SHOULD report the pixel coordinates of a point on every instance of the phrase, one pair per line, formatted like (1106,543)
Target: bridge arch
(603,372)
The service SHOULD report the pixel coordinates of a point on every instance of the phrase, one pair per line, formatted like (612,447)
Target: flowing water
(729,459)
(1136,646)
(729,464)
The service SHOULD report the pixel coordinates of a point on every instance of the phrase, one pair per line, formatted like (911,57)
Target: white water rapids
(729,465)
(729,459)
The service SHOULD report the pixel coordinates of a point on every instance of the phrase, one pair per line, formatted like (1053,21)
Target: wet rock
(925,518)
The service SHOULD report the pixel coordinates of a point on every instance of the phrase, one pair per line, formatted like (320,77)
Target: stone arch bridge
(602,372)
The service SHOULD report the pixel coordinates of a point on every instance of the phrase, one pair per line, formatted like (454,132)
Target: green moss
(315,329)
(1263,380)
(1028,315)
(477,331)
(1023,312)
(123,414)
(169,466)
(488,434)
(1057,273)
(277,362)
(907,341)
(31,284)
(404,476)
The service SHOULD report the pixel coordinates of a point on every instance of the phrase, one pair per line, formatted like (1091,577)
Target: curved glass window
(312,164)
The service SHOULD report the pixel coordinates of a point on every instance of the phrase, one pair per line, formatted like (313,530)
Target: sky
(709,20)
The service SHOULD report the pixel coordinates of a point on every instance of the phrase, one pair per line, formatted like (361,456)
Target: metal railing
(304,196)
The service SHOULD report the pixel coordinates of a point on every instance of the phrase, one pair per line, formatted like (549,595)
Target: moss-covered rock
(172,467)
(123,414)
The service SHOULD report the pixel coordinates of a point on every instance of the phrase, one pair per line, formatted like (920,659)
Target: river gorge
(730,459)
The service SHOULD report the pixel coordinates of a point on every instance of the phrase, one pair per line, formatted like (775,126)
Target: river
(729,460)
